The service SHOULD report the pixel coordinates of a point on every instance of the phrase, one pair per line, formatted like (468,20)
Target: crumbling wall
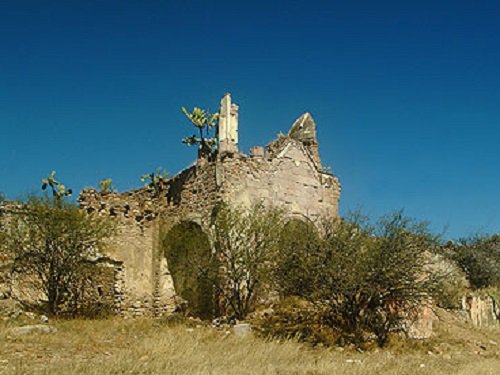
(142,219)
(288,179)
(133,214)
(100,288)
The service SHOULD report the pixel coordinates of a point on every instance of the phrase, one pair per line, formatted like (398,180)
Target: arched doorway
(187,250)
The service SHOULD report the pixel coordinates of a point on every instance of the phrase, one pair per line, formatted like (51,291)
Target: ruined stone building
(287,173)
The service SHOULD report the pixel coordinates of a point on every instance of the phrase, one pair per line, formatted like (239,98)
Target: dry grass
(148,347)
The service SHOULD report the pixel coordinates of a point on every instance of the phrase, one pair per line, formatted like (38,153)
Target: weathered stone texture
(481,310)
(288,179)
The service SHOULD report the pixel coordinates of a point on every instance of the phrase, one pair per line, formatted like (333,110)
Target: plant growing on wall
(205,124)
(106,185)
(156,182)
(59,191)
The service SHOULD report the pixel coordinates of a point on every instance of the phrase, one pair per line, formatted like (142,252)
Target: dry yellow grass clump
(118,346)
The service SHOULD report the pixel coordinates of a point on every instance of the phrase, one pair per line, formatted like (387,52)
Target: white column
(228,125)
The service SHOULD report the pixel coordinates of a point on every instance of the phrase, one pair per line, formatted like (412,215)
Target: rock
(480,310)
(242,329)
(35,328)
(422,327)
(353,361)
(44,319)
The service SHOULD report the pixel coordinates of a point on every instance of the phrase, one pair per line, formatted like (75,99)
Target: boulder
(30,329)
(242,329)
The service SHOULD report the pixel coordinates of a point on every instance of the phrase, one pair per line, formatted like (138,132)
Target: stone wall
(142,219)
(287,177)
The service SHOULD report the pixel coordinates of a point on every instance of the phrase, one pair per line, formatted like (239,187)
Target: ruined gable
(288,179)
(304,131)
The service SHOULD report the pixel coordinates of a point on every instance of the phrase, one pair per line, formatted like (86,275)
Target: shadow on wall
(187,250)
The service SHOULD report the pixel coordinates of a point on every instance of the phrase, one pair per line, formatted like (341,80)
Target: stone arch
(300,217)
(187,250)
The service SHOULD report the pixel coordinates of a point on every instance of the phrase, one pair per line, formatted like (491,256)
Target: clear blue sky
(406,95)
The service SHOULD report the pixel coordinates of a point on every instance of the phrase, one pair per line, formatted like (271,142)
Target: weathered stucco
(288,175)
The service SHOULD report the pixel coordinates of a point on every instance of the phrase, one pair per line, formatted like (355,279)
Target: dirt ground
(145,346)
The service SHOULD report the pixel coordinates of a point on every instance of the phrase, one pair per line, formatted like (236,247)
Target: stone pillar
(228,125)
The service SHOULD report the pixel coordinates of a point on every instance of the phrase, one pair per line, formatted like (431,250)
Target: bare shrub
(53,240)
(243,242)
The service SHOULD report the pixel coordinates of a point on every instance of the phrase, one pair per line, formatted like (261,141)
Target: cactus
(156,182)
(59,191)
(206,123)
(106,185)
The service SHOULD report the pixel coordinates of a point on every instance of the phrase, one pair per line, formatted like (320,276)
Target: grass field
(143,346)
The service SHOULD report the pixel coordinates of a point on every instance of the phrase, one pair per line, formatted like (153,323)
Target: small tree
(244,242)
(52,240)
(479,258)
(363,280)
(205,124)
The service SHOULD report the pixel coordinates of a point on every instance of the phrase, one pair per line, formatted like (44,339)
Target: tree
(205,124)
(243,242)
(53,240)
(479,257)
(363,280)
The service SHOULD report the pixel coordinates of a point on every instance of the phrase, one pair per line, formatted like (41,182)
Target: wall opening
(187,250)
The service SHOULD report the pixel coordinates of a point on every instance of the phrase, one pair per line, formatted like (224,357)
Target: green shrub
(451,282)
(244,242)
(479,258)
(365,281)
